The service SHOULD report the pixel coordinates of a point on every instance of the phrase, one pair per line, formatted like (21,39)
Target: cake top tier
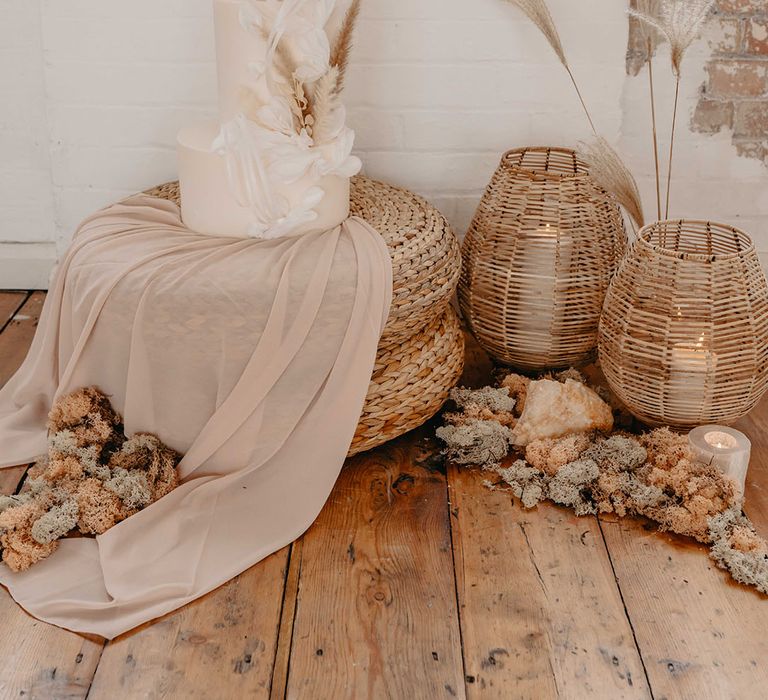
(256,37)
(283,127)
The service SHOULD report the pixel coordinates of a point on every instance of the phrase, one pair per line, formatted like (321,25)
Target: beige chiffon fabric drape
(250,357)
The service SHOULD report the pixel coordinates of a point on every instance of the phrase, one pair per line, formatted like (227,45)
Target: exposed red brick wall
(735,94)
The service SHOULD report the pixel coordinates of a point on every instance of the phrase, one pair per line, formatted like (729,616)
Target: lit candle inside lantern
(546,260)
(724,448)
(691,367)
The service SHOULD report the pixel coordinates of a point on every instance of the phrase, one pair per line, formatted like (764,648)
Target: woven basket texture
(684,332)
(538,257)
(411,381)
(421,353)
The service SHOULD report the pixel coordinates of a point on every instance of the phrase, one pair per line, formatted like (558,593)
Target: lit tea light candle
(544,261)
(691,366)
(724,448)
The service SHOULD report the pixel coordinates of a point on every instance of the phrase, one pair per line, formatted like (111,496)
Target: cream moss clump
(619,451)
(56,523)
(91,479)
(496,400)
(569,485)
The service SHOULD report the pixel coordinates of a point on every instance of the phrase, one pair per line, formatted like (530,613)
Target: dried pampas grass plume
(325,102)
(342,47)
(679,21)
(609,172)
(538,12)
(648,33)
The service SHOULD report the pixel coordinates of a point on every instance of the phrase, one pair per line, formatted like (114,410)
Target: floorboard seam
(24,300)
(87,695)
(455,577)
(286,638)
(288,560)
(626,610)
(293,625)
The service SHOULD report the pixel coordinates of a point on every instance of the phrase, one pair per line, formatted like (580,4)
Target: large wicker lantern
(537,259)
(684,331)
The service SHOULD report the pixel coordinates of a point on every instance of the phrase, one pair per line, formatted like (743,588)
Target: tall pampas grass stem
(672,145)
(679,21)
(655,132)
(651,37)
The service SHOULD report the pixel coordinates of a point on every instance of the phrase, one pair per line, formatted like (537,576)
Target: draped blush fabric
(250,357)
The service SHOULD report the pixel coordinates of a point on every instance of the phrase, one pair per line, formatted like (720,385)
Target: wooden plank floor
(417,581)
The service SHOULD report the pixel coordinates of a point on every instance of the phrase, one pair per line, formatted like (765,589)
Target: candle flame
(720,440)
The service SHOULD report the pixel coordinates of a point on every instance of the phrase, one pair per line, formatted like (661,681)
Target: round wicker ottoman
(421,352)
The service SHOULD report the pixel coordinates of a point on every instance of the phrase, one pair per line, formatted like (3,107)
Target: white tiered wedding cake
(277,163)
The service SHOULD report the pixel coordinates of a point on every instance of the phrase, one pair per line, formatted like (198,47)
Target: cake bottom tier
(208,204)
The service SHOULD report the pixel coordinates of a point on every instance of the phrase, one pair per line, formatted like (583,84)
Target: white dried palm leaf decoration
(538,12)
(680,22)
(325,102)
(609,172)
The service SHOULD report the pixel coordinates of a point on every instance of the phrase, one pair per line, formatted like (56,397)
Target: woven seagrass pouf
(411,381)
(421,352)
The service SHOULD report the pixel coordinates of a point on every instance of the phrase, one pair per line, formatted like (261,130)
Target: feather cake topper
(291,127)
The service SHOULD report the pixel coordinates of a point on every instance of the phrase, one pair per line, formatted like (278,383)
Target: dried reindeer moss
(480,432)
(487,403)
(528,484)
(90,480)
(738,549)
(550,455)
(483,442)
(653,475)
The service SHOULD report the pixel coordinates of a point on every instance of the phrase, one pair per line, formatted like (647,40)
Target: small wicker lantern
(684,331)
(537,259)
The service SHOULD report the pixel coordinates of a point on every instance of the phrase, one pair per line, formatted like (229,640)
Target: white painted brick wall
(26,196)
(437,91)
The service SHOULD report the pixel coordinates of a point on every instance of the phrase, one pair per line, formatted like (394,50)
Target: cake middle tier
(209,203)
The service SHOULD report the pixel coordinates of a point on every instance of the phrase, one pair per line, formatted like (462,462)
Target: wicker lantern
(537,259)
(684,331)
